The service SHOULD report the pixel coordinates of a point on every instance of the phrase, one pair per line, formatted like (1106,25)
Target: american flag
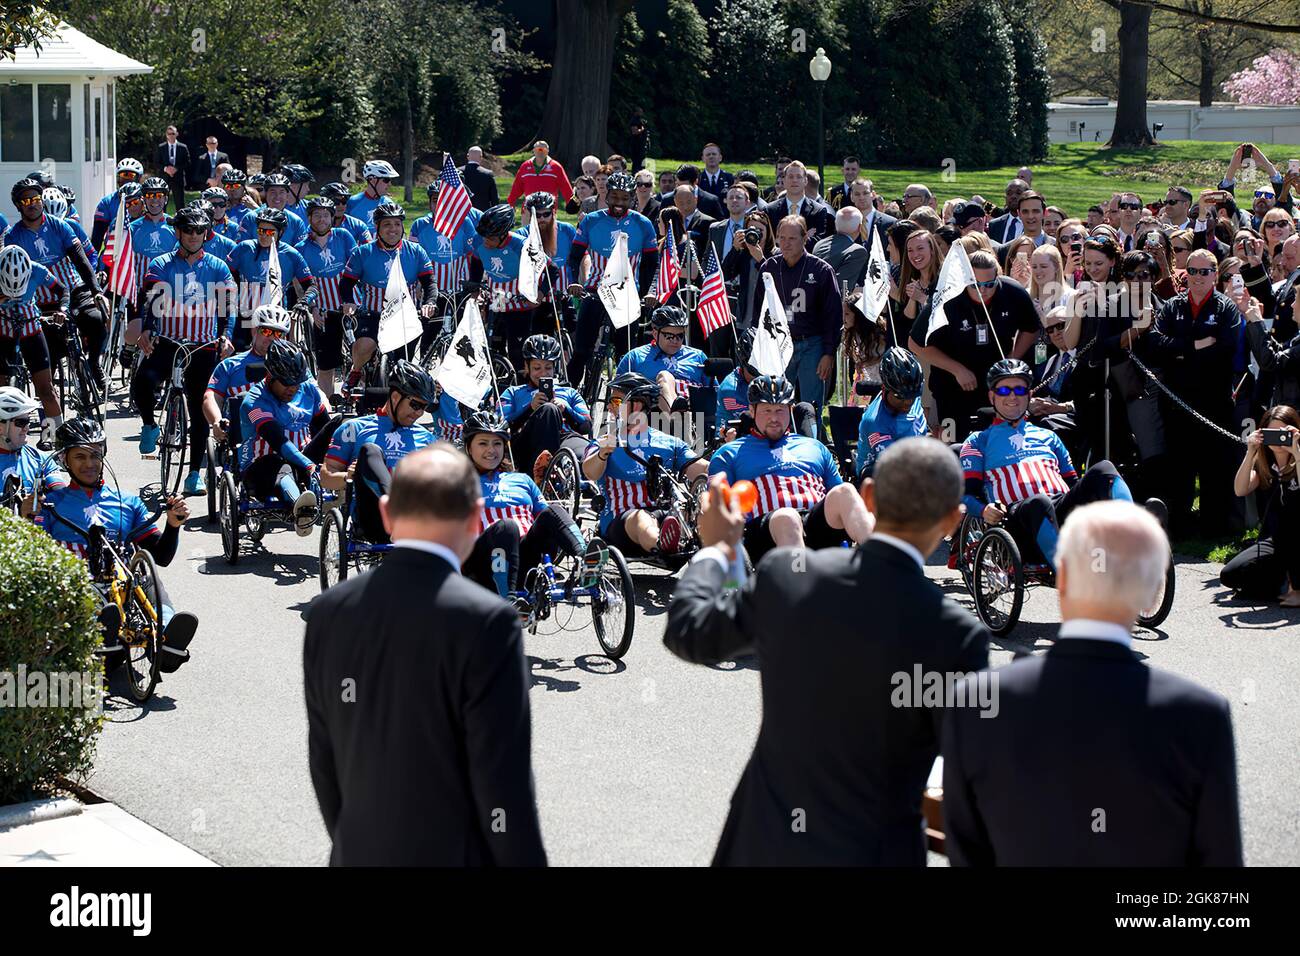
(122,279)
(714,310)
(669,271)
(453,201)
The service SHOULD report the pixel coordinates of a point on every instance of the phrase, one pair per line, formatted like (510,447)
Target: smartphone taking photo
(1280,437)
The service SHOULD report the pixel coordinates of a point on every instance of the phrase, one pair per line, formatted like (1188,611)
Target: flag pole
(559,334)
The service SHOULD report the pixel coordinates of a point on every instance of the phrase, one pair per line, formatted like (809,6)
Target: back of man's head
(437,483)
(1113,556)
(848,221)
(917,483)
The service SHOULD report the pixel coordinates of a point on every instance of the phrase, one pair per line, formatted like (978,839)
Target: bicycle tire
(173,442)
(142,670)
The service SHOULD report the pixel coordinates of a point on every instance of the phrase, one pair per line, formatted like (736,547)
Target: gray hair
(918,483)
(1114,554)
(848,220)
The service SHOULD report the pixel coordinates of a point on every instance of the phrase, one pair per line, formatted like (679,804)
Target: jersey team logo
(326,257)
(442,244)
(497,264)
(393,442)
(1017,441)
(42,249)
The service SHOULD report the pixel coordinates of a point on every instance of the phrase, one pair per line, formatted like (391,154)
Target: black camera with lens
(752,235)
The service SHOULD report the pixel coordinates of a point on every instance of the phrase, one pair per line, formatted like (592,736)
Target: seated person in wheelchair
(365,450)
(802,500)
(894,413)
(619,468)
(287,428)
(543,415)
(667,360)
(517,524)
(1020,474)
(733,398)
(86,500)
(237,374)
(34,472)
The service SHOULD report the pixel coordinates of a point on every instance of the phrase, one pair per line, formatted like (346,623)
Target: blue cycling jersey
(124,517)
(85,244)
(516,399)
(623,484)
(509,494)
(228,227)
(327,263)
(21,317)
(447,421)
(598,234)
(358,229)
(36,471)
(294,233)
(686,365)
(219,246)
(881,427)
(151,238)
(380,429)
(48,245)
(795,472)
(294,416)
(1014,462)
(197,304)
(369,265)
(250,261)
(564,235)
(230,378)
(106,208)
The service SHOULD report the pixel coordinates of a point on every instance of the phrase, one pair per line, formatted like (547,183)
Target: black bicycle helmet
(155,184)
(628,381)
(485,422)
(46,179)
(191,217)
(320,202)
(69,193)
(25,185)
(771,390)
(258,180)
(647,394)
(275,217)
(336,191)
(1008,368)
(130,192)
(388,210)
(234,176)
(667,317)
(543,347)
(297,173)
(620,181)
(744,348)
(496,221)
(901,373)
(433,188)
(540,202)
(215,195)
(286,363)
(81,432)
(411,380)
(277,179)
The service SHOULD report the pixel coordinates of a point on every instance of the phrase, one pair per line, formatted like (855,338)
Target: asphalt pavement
(635,761)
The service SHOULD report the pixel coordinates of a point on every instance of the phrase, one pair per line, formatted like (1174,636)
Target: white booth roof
(70,51)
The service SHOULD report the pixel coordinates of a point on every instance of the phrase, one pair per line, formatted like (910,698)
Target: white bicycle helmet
(271,317)
(15,271)
(55,203)
(15,404)
(129,165)
(379,169)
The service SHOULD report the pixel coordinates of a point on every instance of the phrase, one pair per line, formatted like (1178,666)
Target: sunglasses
(229,186)
(1182,248)
(155,195)
(673,336)
(1053,329)
(1277,224)
(1004,390)
(1207,271)
(270,333)
(1095,243)
(26,201)
(417,405)
(127,175)
(1130,205)
(644,185)
(1263,194)
(268,232)
(614,401)
(986,285)
(1143,274)
(193,231)
(549,214)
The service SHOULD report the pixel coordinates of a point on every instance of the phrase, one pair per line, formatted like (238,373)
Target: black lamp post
(820,69)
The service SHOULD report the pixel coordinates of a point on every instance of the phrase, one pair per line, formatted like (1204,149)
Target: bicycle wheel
(613,609)
(561,484)
(211,479)
(141,629)
(999,578)
(1163,602)
(90,400)
(174,441)
(229,503)
(333,550)
(116,332)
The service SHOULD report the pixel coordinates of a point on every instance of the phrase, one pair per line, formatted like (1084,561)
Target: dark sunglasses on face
(986,285)
(1053,329)
(267,232)
(194,230)
(270,333)
(155,195)
(1263,194)
(550,214)
(1182,248)
(673,336)
(1276,224)
(230,186)
(644,185)
(1207,271)
(417,405)
(1130,205)
(129,176)
(1004,390)
(1142,274)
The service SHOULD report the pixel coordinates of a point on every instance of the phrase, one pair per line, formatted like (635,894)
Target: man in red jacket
(540,174)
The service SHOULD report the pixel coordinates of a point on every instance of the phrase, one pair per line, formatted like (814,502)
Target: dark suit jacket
(1087,736)
(182,163)
(202,170)
(719,188)
(998,228)
(881,223)
(706,202)
(482,185)
(699,230)
(718,238)
(818,215)
(832,629)
(429,765)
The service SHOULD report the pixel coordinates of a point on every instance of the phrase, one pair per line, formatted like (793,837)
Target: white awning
(70,51)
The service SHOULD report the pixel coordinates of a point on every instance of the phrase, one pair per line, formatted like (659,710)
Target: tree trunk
(408,150)
(1205,53)
(575,121)
(1131,127)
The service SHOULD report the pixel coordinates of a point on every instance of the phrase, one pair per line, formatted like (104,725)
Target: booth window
(17,134)
(55,106)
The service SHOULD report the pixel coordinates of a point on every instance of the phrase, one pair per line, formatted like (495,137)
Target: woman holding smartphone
(1269,569)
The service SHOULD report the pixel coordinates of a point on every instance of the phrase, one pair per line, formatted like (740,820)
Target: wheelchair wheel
(229,514)
(562,482)
(965,541)
(211,479)
(142,631)
(333,550)
(1164,601)
(999,581)
(173,442)
(613,610)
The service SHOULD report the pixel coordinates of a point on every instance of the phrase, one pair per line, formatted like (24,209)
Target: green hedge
(47,628)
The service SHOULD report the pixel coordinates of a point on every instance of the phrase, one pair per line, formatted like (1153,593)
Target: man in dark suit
(695,223)
(173,158)
(417,693)
(480,182)
(838,195)
(713,178)
(1007,226)
(818,216)
(875,220)
(722,234)
(1095,758)
(846,638)
(688,175)
(205,167)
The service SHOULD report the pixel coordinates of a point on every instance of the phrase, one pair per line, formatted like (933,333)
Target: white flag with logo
(875,285)
(274,294)
(532,264)
(773,348)
(617,289)
(399,321)
(466,370)
(954,277)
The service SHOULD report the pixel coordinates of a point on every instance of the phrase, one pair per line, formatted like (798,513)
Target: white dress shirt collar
(901,545)
(1091,630)
(430,547)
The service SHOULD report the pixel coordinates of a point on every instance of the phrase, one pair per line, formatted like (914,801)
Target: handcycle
(131,586)
(235,506)
(342,549)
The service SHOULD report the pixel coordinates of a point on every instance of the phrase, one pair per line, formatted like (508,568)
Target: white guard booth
(57,113)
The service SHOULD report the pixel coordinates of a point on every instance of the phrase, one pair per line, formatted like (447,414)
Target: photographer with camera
(1271,566)
(750,248)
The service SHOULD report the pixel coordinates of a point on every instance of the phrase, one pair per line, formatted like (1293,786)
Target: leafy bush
(47,627)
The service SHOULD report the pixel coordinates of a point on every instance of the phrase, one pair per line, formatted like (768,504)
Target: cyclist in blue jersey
(277,197)
(287,429)
(300,180)
(250,263)
(618,462)
(364,283)
(1020,475)
(21,282)
(672,365)
(597,237)
(216,244)
(235,182)
(235,376)
(128,171)
(517,523)
(495,252)
(379,175)
(54,244)
(893,414)
(449,257)
(802,501)
(47,181)
(732,416)
(543,414)
(33,472)
(339,194)
(222,223)
(86,501)
(557,239)
(151,233)
(56,204)
(326,251)
(367,449)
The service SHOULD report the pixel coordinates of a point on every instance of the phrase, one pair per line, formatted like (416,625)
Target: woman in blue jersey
(517,526)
